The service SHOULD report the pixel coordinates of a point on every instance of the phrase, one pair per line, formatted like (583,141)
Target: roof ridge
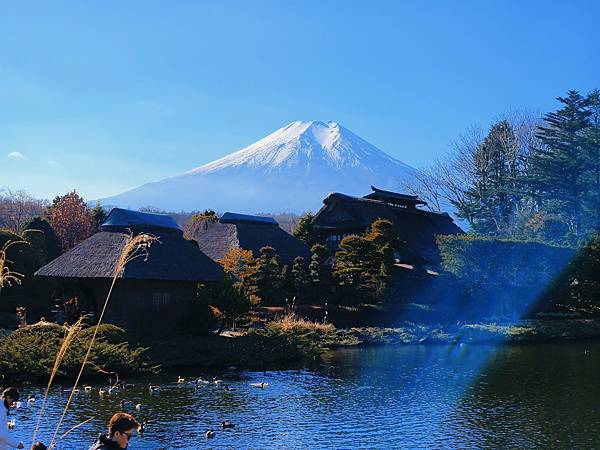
(380,202)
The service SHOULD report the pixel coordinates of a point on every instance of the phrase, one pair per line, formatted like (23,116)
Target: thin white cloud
(17,155)
(53,163)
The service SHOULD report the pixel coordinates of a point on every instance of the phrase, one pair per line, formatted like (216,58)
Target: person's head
(121,428)
(10,395)
(38,446)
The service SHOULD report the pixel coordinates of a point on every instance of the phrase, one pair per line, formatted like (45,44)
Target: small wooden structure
(343,215)
(151,296)
(249,233)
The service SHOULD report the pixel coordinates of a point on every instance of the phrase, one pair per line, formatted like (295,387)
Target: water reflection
(384,397)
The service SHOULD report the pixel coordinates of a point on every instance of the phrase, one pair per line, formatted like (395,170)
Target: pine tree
(387,244)
(305,230)
(558,169)
(356,268)
(231,302)
(267,277)
(592,137)
(99,215)
(300,278)
(287,283)
(319,273)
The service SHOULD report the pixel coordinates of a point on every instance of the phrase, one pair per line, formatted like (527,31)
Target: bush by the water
(29,353)
(506,277)
(282,341)
(485,261)
(311,337)
(530,272)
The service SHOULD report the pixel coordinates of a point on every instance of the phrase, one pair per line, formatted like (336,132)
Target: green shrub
(506,277)
(583,276)
(484,262)
(29,353)
(49,247)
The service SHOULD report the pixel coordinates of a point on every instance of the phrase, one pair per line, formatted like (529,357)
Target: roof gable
(395,198)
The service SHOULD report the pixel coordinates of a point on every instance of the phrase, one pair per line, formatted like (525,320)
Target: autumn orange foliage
(238,262)
(71,220)
(241,266)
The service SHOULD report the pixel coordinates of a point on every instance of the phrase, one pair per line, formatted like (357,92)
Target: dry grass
(135,247)
(60,355)
(7,276)
(292,323)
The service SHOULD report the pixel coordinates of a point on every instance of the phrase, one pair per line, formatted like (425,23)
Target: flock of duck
(197,382)
(124,404)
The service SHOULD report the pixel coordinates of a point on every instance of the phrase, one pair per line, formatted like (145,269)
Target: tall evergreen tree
(305,230)
(287,283)
(387,244)
(231,302)
(267,277)
(99,215)
(301,278)
(592,137)
(319,273)
(558,169)
(491,199)
(356,269)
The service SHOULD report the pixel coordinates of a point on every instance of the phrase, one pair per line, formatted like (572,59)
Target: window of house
(160,300)
(333,240)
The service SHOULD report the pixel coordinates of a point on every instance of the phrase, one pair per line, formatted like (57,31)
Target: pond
(542,395)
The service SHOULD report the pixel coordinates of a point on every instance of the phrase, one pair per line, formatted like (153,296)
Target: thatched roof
(346,214)
(218,238)
(172,259)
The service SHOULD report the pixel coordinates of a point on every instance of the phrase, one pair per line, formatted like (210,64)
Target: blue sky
(104,96)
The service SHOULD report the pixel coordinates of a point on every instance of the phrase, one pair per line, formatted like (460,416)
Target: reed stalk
(71,332)
(135,247)
(7,276)
(77,426)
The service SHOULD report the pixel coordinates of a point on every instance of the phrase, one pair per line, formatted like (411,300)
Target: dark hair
(39,446)
(121,422)
(11,392)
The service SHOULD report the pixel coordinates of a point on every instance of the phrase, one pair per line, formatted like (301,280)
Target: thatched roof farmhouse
(343,215)
(249,233)
(158,288)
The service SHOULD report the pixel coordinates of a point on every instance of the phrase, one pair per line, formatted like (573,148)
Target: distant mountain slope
(290,170)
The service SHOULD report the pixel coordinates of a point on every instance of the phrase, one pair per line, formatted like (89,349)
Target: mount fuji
(291,170)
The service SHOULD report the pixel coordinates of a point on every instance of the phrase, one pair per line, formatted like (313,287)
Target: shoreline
(276,347)
(293,346)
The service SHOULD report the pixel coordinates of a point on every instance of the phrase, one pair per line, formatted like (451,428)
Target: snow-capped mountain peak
(299,144)
(291,169)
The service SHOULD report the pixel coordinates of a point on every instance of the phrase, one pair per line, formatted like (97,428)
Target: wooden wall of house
(151,308)
(142,307)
